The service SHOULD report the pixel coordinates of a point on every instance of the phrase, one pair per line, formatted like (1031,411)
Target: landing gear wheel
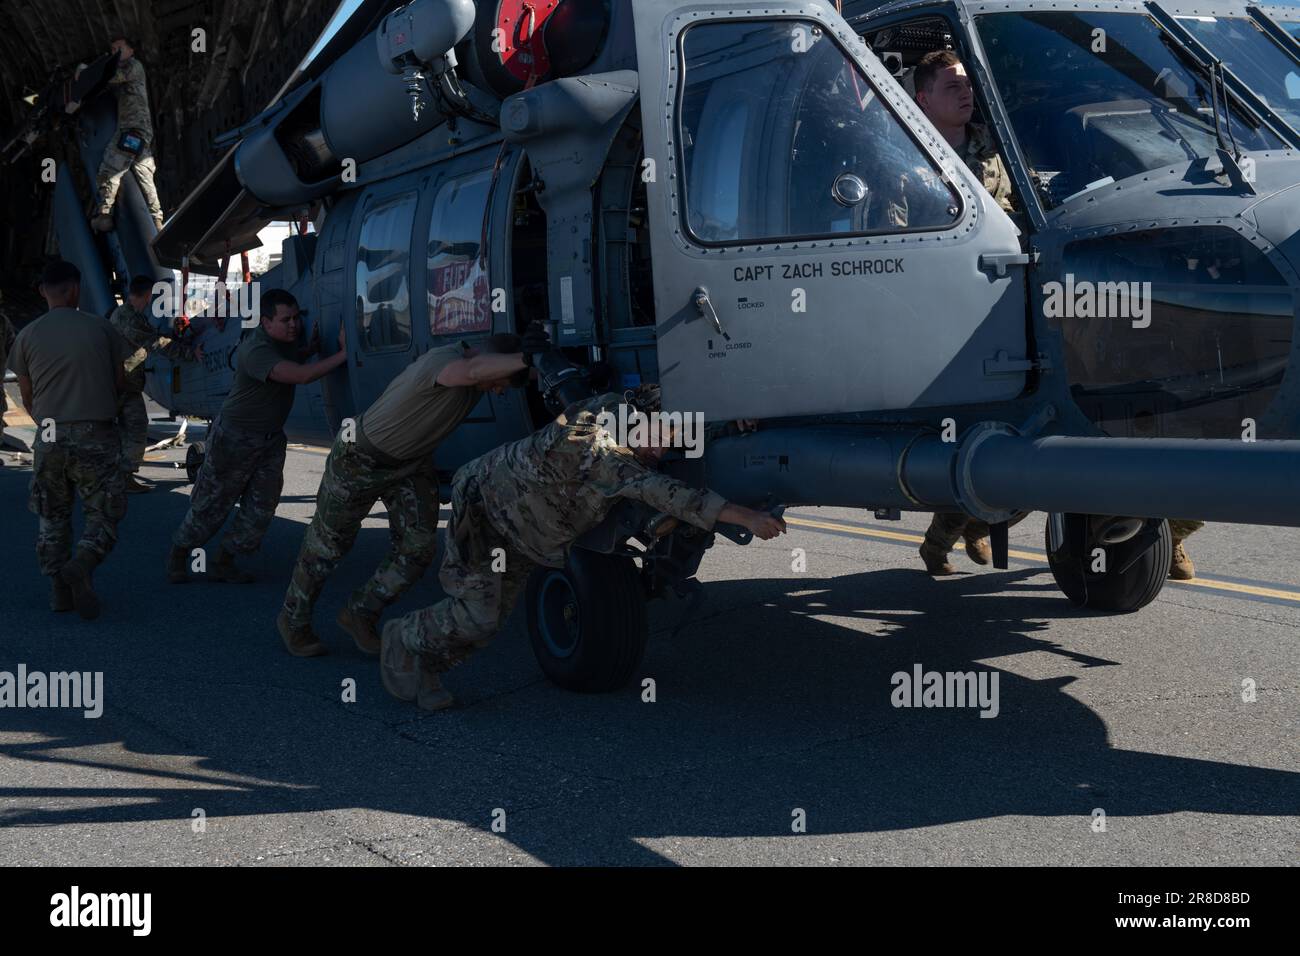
(1135,570)
(587,621)
(194,460)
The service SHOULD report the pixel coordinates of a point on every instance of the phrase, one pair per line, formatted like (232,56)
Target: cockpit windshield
(1096,97)
(1260,63)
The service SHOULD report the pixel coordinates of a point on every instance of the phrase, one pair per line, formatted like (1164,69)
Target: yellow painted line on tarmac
(1254,590)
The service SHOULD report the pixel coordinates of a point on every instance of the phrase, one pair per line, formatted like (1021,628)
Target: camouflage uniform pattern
(946,529)
(242,467)
(132,115)
(352,483)
(981,156)
(82,462)
(144,338)
(532,499)
(478,599)
(1183,528)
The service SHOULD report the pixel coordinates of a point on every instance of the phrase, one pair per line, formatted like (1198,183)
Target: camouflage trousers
(352,483)
(239,466)
(84,461)
(133,418)
(482,575)
(947,528)
(113,167)
(1183,528)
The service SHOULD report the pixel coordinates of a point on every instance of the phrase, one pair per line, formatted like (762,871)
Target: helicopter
(697,195)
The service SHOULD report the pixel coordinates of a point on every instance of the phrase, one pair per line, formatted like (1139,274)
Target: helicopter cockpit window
(383,287)
(783,137)
(1260,63)
(458,280)
(1097,97)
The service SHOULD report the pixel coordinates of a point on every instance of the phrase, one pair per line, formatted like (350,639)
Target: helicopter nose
(1277,217)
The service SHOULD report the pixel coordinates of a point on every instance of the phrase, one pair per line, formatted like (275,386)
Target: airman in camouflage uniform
(133,120)
(132,322)
(944,93)
(69,368)
(246,445)
(523,505)
(390,458)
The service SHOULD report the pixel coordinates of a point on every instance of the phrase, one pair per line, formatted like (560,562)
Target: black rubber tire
(1111,591)
(194,456)
(587,622)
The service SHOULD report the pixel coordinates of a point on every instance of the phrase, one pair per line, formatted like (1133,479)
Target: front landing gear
(1106,563)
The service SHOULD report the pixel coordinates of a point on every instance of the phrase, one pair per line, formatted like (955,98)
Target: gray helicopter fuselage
(747,206)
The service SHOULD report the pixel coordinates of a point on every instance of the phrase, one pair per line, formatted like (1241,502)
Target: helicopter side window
(456,260)
(1208,340)
(783,137)
(1086,118)
(383,287)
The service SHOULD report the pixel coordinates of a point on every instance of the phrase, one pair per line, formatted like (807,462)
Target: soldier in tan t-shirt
(390,457)
(69,368)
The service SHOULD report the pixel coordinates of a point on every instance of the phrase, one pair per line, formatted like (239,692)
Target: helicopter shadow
(775,696)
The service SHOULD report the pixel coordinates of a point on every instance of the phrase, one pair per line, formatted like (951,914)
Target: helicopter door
(817,247)
(382,294)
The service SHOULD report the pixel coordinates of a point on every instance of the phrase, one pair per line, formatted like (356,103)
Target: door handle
(998,261)
(707,311)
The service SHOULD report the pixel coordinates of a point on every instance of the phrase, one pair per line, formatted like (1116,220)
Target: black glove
(561,382)
(534,342)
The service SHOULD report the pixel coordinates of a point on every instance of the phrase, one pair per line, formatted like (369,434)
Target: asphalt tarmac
(772,736)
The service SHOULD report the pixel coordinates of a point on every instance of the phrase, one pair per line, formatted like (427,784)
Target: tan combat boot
(298,641)
(1181,567)
(134,486)
(398,668)
(936,561)
(102,223)
(979,550)
(432,695)
(76,574)
(225,569)
(361,627)
(178,565)
(60,595)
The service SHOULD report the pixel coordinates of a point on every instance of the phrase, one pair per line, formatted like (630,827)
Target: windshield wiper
(1250,105)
